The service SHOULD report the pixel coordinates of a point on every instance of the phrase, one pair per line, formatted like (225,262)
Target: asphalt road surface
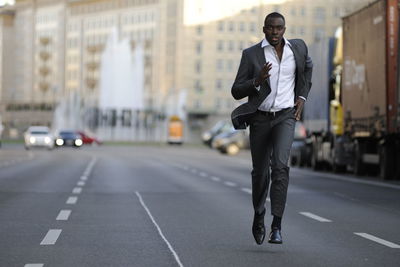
(182,206)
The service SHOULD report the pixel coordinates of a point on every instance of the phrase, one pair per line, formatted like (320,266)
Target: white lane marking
(345,179)
(215,179)
(51,237)
(246,190)
(159,230)
(203,174)
(63,215)
(315,217)
(230,184)
(77,190)
(185,168)
(80,183)
(34,265)
(193,170)
(72,200)
(84,178)
(378,240)
(268,199)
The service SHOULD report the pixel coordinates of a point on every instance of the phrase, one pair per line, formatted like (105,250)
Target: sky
(200,11)
(3,2)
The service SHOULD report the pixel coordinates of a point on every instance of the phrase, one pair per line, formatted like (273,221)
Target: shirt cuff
(302,97)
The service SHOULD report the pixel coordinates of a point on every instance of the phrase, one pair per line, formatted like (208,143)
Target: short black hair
(274,15)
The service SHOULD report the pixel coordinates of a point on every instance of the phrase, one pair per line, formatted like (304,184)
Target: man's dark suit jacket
(253,59)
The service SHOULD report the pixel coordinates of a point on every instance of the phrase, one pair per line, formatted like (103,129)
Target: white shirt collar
(265,43)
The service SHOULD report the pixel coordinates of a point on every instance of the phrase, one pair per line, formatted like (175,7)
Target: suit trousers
(271,138)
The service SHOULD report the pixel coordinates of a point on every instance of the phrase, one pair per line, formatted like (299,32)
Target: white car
(38,136)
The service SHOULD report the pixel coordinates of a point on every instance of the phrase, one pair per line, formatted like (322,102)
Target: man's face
(274,29)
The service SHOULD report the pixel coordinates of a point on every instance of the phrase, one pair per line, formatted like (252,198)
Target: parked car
(301,150)
(231,142)
(219,127)
(38,136)
(89,139)
(69,138)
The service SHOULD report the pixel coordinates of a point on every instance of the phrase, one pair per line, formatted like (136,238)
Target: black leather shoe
(258,229)
(275,237)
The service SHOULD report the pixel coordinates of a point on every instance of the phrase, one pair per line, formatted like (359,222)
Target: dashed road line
(84,178)
(34,265)
(159,230)
(315,217)
(246,190)
(378,240)
(51,237)
(230,184)
(203,174)
(215,179)
(77,190)
(72,200)
(80,183)
(63,215)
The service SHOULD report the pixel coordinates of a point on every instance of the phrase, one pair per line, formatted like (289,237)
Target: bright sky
(200,11)
(10,2)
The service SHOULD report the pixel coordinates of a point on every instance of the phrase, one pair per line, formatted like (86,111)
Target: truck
(363,116)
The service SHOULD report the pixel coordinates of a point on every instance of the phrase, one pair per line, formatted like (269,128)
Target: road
(182,206)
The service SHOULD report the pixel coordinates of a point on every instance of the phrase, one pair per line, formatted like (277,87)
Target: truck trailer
(363,130)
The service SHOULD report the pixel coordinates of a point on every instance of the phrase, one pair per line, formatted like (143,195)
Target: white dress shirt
(282,79)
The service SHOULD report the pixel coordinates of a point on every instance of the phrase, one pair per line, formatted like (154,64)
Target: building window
(231,46)
(220,45)
(241,26)
(319,14)
(218,84)
(198,87)
(220,65)
(231,26)
(241,45)
(302,31)
(218,103)
(199,30)
(197,66)
(252,27)
(220,26)
(197,103)
(229,65)
(293,11)
(303,11)
(199,47)
(319,33)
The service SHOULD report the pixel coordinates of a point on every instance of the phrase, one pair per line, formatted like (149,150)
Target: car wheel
(232,149)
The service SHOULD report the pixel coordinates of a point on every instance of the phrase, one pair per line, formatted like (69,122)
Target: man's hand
(299,108)
(264,74)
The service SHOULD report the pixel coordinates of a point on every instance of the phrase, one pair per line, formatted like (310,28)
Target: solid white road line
(80,183)
(34,265)
(77,190)
(315,217)
(63,215)
(246,190)
(51,237)
(72,200)
(378,240)
(159,230)
(215,179)
(230,184)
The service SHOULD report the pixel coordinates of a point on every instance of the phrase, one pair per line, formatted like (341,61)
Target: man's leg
(283,133)
(260,145)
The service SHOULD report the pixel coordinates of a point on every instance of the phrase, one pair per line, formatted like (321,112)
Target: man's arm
(244,82)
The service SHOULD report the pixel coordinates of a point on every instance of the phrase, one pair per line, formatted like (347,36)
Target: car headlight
(47,140)
(32,140)
(78,142)
(206,136)
(59,142)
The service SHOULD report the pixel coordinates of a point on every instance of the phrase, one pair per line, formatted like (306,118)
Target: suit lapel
(261,58)
(295,53)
